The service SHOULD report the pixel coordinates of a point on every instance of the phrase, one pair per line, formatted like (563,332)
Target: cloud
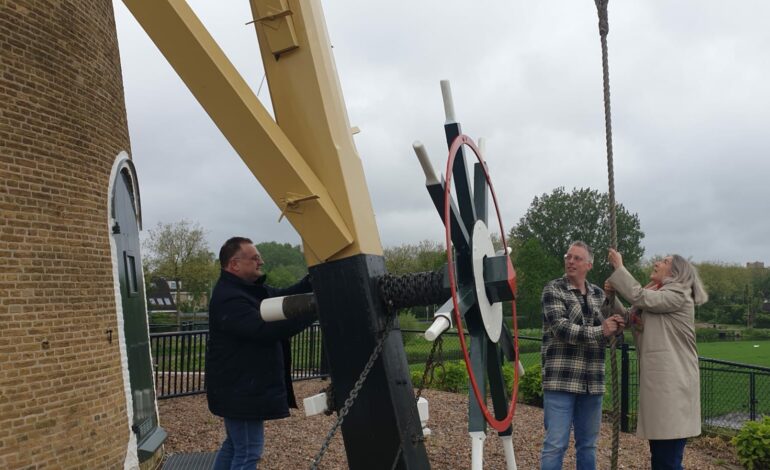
(689,106)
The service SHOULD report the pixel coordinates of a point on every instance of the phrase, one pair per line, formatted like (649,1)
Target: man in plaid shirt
(572,354)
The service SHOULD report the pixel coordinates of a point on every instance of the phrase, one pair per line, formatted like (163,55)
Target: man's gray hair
(584,245)
(683,272)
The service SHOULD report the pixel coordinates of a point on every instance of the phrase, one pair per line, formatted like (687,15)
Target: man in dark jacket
(247,359)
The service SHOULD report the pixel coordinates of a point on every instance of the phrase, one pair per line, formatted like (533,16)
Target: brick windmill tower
(76,388)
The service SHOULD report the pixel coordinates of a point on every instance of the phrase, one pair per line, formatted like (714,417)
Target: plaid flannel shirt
(572,353)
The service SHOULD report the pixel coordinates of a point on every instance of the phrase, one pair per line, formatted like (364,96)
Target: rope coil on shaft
(604,29)
(411,290)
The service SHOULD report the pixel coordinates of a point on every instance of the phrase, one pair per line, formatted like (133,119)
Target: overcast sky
(690,112)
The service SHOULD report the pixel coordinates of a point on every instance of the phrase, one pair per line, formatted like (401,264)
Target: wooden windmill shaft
(307,162)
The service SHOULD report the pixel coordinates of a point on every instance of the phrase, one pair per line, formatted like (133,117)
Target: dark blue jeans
(243,445)
(667,454)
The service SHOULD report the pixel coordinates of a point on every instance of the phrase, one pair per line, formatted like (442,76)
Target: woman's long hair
(683,272)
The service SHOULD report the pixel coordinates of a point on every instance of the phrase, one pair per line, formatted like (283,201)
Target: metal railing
(182,326)
(179,360)
(731,393)
(308,360)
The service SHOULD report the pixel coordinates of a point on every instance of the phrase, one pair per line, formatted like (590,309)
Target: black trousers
(667,454)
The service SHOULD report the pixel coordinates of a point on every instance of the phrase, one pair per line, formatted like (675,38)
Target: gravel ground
(293,442)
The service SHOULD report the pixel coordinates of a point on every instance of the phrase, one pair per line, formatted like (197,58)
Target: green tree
(759,294)
(284,263)
(736,294)
(761,281)
(178,251)
(424,256)
(725,284)
(557,219)
(534,268)
(199,276)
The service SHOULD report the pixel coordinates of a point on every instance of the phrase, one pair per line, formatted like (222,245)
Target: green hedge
(704,335)
(753,444)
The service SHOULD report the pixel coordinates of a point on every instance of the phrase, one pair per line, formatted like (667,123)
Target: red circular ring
(498,425)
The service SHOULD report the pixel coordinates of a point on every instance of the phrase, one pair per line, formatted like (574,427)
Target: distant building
(756,265)
(159,296)
(162,296)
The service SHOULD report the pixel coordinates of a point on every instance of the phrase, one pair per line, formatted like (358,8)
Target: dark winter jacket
(248,360)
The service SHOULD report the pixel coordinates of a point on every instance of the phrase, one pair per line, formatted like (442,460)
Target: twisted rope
(604,29)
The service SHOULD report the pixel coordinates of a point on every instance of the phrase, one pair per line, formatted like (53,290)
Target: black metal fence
(308,360)
(731,393)
(179,360)
(182,326)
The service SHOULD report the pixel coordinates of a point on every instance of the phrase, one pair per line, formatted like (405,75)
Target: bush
(417,378)
(451,376)
(703,335)
(715,334)
(756,333)
(753,444)
(531,386)
(508,377)
(407,321)
(762,320)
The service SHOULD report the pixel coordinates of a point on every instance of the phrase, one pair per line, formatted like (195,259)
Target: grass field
(756,353)
(753,352)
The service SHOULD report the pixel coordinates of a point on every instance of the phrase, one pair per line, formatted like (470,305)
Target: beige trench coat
(669,377)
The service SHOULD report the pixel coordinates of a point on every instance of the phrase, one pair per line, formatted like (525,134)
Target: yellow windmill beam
(309,107)
(269,153)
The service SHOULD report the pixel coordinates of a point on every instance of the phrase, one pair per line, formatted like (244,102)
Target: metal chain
(604,29)
(355,390)
(412,289)
(395,461)
(430,365)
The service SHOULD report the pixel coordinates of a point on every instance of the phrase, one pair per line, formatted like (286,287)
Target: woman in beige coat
(663,318)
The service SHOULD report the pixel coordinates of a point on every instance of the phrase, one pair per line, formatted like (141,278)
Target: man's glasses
(575,258)
(255,258)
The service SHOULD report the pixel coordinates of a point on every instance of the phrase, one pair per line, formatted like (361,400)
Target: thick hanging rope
(604,29)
